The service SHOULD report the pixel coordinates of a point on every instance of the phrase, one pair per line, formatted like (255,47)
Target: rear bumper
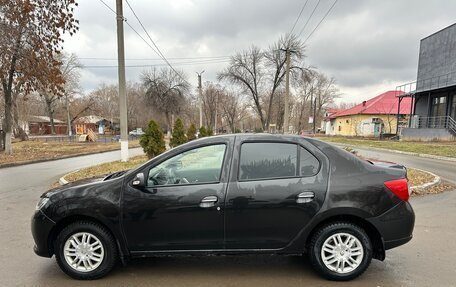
(396,225)
(41,227)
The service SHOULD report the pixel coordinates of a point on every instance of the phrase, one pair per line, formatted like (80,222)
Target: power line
(154,65)
(156,59)
(109,7)
(329,10)
(159,53)
(308,19)
(299,16)
(131,27)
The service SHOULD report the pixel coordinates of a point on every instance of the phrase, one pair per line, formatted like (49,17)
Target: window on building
(340,128)
(267,160)
(453,106)
(438,107)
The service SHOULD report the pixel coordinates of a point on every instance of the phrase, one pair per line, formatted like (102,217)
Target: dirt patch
(438,188)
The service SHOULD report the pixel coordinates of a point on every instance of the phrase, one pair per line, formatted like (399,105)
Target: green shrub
(191,132)
(202,132)
(209,132)
(153,141)
(178,135)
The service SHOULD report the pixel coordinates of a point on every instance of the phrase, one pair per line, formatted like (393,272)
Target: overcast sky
(368,46)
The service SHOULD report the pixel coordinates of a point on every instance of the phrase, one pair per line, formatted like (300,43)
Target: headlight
(42,202)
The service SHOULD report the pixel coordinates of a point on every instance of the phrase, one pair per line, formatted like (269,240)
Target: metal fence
(75,138)
(442,122)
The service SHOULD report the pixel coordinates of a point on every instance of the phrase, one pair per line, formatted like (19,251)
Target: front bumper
(41,227)
(396,225)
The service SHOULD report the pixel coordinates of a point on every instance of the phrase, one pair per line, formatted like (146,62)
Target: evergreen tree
(191,132)
(153,141)
(202,132)
(178,135)
(209,132)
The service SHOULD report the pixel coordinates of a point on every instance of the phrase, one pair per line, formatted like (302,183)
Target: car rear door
(276,187)
(180,208)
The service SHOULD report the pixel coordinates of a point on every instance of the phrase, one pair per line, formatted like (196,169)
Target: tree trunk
(8,121)
(50,113)
(69,130)
(18,131)
(168,123)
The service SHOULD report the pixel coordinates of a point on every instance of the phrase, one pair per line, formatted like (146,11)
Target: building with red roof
(370,118)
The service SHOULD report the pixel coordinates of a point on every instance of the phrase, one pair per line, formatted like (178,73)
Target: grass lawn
(434,148)
(40,150)
(106,168)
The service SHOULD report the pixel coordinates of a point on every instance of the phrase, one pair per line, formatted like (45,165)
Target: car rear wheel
(340,251)
(85,250)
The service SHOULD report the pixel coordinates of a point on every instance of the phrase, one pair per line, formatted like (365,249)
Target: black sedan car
(231,195)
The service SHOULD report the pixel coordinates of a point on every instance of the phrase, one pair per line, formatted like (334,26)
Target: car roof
(259,136)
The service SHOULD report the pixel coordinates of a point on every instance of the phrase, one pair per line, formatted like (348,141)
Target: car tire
(90,248)
(340,251)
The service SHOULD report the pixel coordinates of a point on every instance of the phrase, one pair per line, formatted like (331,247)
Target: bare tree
(246,70)
(344,105)
(70,71)
(211,97)
(233,109)
(275,59)
(260,73)
(315,90)
(106,98)
(31,34)
(50,99)
(165,90)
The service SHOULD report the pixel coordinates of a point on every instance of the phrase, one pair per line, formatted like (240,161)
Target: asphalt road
(428,260)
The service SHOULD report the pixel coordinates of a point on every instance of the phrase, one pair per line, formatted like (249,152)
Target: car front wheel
(85,250)
(340,251)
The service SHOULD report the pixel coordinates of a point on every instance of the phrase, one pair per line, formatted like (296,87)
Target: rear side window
(308,164)
(267,160)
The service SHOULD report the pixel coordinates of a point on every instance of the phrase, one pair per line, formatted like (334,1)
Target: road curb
(452,159)
(63,181)
(426,185)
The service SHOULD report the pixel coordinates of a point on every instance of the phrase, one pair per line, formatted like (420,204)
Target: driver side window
(199,165)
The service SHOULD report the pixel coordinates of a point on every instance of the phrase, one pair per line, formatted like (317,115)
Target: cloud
(365,45)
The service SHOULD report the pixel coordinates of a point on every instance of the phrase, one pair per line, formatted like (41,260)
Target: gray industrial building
(433,93)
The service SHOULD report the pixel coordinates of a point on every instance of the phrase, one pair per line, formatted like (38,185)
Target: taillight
(399,187)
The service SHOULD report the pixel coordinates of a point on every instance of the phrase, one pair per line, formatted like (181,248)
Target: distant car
(136,132)
(231,194)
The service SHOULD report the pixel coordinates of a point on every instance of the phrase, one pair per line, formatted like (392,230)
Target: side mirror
(139,181)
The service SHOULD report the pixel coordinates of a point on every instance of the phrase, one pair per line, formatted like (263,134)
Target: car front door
(275,190)
(180,206)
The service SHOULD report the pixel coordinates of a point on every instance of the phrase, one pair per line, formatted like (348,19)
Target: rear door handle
(208,201)
(305,197)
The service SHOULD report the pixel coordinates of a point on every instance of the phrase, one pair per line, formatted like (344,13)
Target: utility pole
(314,114)
(200,97)
(122,92)
(216,102)
(287,92)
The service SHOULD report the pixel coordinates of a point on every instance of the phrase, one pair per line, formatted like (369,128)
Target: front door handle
(305,197)
(208,201)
